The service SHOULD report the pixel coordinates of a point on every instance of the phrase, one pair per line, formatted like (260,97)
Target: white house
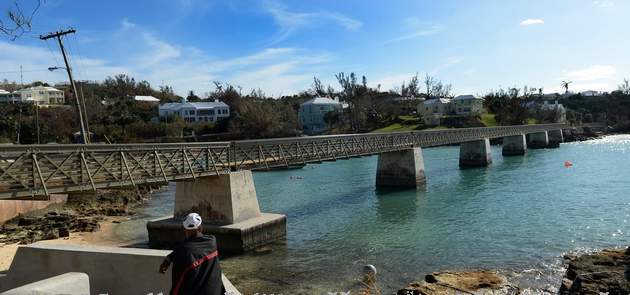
(592,93)
(312,112)
(8,97)
(466,105)
(207,111)
(432,110)
(41,95)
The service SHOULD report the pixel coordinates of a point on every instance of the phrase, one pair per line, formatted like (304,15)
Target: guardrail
(32,170)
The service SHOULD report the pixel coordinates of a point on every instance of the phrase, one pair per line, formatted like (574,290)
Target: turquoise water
(518,215)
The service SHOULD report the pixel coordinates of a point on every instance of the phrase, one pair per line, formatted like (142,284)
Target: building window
(191,112)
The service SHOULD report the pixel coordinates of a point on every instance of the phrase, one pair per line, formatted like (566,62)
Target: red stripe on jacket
(194,265)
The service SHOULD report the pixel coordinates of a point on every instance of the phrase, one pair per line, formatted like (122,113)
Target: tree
(565,85)
(428,85)
(19,19)
(331,118)
(318,87)
(624,87)
(192,97)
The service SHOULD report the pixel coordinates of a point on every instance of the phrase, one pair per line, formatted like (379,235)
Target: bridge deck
(34,170)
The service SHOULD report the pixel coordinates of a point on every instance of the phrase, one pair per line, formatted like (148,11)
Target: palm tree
(565,85)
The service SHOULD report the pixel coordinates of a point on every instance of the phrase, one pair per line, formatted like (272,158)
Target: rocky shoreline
(603,272)
(78,214)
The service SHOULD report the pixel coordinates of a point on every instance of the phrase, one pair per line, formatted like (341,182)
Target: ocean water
(518,216)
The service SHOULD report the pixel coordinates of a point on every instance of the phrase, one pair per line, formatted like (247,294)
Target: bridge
(214,178)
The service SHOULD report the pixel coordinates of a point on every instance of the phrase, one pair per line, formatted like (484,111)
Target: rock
(50,235)
(64,232)
(263,250)
(25,221)
(471,282)
(602,272)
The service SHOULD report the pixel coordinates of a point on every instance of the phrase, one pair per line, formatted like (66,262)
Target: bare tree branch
(18,21)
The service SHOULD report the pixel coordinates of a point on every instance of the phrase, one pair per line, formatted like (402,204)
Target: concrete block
(239,237)
(555,138)
(225,199)
(111,270)
(72,283)
(538,140)
(475,153)
(401,169)
(514,145)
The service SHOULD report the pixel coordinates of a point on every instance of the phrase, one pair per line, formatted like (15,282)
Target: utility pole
(21,77)
(58,35)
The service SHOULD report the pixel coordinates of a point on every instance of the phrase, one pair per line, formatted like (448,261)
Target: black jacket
(196,268)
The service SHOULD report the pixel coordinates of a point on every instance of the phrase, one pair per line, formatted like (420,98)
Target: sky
(280,45)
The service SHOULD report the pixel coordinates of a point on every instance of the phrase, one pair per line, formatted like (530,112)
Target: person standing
(196,268)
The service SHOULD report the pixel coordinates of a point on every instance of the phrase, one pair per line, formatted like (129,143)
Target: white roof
(47,88)
(436,100)
(193,105)
(2,91)
(466,97)
(320,100)
(145,98)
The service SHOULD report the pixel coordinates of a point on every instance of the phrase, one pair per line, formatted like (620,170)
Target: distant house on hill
(210,111)
(8,97)
(592,93)
(467,105)
(40,95)
(313,111)
(435,109)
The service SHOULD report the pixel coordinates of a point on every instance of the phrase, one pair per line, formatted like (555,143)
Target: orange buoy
(568,164)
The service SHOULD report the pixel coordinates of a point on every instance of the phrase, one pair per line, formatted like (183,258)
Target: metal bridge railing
(30,170)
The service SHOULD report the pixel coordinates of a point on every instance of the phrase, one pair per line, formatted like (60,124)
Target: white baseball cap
(192,221)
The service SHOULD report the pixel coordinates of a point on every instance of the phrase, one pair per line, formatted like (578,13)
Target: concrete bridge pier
(404,169)
(229,208)
(514,145)
(475,153)
(538,140)
(555,138)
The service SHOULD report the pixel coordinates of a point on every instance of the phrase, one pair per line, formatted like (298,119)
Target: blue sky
(279,46)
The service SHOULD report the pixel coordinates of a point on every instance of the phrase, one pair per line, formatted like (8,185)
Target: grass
(397,127)
(488,120)
(532,121)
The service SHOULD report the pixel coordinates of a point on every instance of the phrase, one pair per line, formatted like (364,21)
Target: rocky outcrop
(607,271)
(463,282)
(79,214)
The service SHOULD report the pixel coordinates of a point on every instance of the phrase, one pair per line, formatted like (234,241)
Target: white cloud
(147,57)
(127,25)
(415,28)
(592,73)
(447,63)
(290,22)
(604,3)
(532,21)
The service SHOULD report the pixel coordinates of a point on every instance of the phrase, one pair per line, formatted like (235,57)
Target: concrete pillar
(226,199)
(538,140)
(555,138)
(401,169)
(475,153)
(514,145)
(229,208)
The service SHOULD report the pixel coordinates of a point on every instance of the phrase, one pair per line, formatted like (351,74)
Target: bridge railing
(28,170)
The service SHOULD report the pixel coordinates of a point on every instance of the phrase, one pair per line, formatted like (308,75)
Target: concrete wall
(73,283)
(224,199)
(555,138)
(12,208)
(538,140)
(401,169)
(111,270)
(475,153)
(514,145)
